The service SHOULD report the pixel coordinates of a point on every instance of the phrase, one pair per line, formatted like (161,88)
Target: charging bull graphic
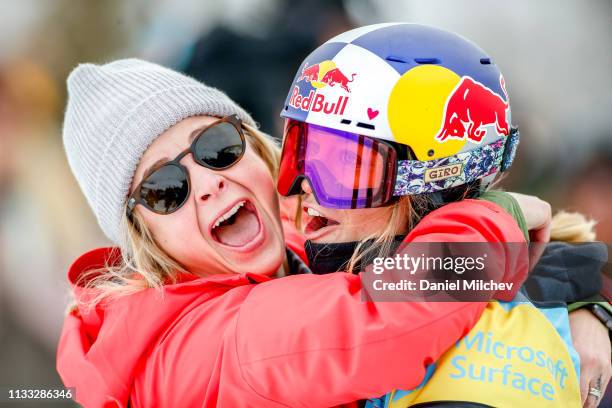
(310,73)
(335,76)
(471,107)
(325,73)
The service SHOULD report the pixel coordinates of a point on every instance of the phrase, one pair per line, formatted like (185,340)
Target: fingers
(594,394)
(540,231)
(540,236)
(585,380)
(537,213)
(596,389)
(589,376)
(592,343)
(591,402)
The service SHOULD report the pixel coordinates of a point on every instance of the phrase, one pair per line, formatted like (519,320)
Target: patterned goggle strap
(418,177)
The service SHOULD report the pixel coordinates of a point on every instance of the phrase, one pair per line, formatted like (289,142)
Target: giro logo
(469,108)
(444,172)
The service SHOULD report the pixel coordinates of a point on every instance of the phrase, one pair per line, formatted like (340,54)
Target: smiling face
(230,222)
(326,225)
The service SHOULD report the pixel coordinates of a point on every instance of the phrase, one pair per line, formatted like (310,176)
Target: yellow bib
(510,358)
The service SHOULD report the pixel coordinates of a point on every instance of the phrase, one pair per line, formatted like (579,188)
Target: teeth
(228,214)
(313,213)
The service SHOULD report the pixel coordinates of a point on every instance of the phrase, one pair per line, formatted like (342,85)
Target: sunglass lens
(220,146)
(166,189)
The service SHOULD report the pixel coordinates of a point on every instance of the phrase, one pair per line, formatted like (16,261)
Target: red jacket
(248,340)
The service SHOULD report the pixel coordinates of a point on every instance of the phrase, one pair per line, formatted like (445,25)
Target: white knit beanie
(114,112)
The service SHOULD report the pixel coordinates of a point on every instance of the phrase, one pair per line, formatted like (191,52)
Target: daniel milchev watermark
(412,264)
(444,272)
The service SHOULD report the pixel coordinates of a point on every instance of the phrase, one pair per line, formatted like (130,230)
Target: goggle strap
(419,177)
(510,147)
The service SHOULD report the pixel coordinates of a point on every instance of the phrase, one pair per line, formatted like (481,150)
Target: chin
(267,262)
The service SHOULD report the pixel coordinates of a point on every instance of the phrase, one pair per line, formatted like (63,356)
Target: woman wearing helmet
(384,125)
(185,310)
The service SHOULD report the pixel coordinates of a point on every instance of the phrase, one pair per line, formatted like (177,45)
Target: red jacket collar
(110,256)
(87,357)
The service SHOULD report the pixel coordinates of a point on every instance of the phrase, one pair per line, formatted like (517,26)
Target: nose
(217,186)
(206,183)
(306,187)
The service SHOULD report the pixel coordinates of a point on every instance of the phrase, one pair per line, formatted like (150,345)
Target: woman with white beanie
(185,311)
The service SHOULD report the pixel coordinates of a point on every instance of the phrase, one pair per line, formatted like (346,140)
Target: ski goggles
(166,187)
(346,170)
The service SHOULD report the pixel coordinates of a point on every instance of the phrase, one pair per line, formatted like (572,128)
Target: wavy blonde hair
(572,227)
(381,242)
(143,264)
(384,238)
(565,226)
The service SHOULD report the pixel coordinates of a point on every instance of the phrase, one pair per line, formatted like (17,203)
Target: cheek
(359,224)
(255,176)
(169,231)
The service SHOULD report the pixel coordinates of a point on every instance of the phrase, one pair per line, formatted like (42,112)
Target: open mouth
(238,226)
(317,221)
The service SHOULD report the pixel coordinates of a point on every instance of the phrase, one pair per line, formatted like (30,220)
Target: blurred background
(555,55)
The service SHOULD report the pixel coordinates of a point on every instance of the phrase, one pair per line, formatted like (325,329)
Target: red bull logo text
(317,103)
(471,107)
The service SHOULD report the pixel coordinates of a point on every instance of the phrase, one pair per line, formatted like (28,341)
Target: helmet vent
(366,125)
(427,60)
(485,61)
(345,121)
(393,58)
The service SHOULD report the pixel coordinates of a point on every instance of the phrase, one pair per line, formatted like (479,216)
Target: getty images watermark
(442,272)
(412,264)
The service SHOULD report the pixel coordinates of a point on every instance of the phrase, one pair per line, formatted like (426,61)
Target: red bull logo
(471,107)
(310,74)
(336,77)
(326,73)
(317,103)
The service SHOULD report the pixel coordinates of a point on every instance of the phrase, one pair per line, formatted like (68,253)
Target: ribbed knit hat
(114,112)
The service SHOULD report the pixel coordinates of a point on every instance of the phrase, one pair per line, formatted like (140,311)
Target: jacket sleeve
(309,340)
(567,272)
(479,221)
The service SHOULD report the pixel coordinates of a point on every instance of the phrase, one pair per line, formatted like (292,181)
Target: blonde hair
(572,227)
(384,238)
(565,226)
(143,264)
(405,208)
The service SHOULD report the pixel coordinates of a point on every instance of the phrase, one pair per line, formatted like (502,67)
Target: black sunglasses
(166,188)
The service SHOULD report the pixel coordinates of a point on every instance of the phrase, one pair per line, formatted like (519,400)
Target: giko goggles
(347,170)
